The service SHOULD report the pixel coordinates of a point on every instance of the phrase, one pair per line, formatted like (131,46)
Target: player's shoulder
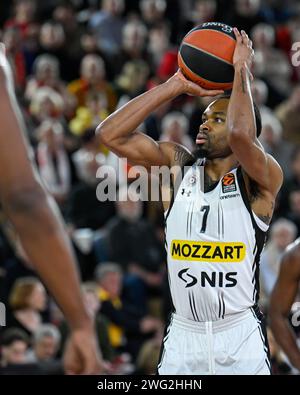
(275,169)
(178,154)
(293,250)
(275,177)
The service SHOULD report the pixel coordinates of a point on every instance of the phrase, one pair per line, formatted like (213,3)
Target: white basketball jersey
(214,242)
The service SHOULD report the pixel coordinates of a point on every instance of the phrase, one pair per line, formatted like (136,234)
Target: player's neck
(217,168)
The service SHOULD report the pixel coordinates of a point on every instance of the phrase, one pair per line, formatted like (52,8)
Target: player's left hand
(244,52)
(81,355)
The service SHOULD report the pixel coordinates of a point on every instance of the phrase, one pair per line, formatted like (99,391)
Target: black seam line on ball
(197,76)
(208,53)
(194,58)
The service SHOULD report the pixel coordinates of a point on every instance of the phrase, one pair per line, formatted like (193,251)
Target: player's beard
(200,152)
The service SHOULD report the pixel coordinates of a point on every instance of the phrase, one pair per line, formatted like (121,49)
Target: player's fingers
(88,364)
(212,92)
(245,37)
(2,48)
(237,35)
(91,364)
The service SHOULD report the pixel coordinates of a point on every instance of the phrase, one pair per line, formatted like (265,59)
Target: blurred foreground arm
(282,298)
(38,224)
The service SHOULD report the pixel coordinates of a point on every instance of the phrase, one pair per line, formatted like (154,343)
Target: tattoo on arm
(243,81)
(181,156)
(265,218)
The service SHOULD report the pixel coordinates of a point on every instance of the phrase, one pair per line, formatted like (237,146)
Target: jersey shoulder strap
(177,182)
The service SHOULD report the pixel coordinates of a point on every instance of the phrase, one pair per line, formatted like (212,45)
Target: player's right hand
(191,88)
(81,355)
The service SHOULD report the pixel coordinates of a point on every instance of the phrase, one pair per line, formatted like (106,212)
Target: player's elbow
(24,200)
(104,134)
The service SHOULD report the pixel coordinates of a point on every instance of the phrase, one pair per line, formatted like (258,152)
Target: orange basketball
(205,55)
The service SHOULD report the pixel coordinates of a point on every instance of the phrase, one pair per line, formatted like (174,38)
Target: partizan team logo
(228,183)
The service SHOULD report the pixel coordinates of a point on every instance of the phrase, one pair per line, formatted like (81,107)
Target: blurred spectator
(14,261)
(134,46)
(89,46)
(292,183)
(91,115)
(260,94)
(93,303)
(288,112)
(46,342)
(92,71)
(27,301)
(46,105)
(283,232)
(245,15)
(153,11)
(14,345)
(200,12)
(131,81)
(148,356)
(271,139)
(152,124)
(46,74)
(24,14)
(159,42)
(107,25)
(276,69)
(53,41)
(128,327)
(84,208)
(52,37)
(174,128)
(132,240)
(65,14)
(167,66)
(53,162)
(119,363)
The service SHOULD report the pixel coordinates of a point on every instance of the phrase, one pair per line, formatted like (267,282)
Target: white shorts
(235,345)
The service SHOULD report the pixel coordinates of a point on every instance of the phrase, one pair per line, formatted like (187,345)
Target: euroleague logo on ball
(225,28)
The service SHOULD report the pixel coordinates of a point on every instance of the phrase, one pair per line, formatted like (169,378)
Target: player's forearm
(127,119)
(286,338)
(45,241)
(240,114)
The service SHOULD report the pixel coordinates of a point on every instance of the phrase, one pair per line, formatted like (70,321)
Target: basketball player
(213,250)
(40,229)
(282,297)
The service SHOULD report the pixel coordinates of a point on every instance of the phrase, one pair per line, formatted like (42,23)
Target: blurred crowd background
(75,62)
